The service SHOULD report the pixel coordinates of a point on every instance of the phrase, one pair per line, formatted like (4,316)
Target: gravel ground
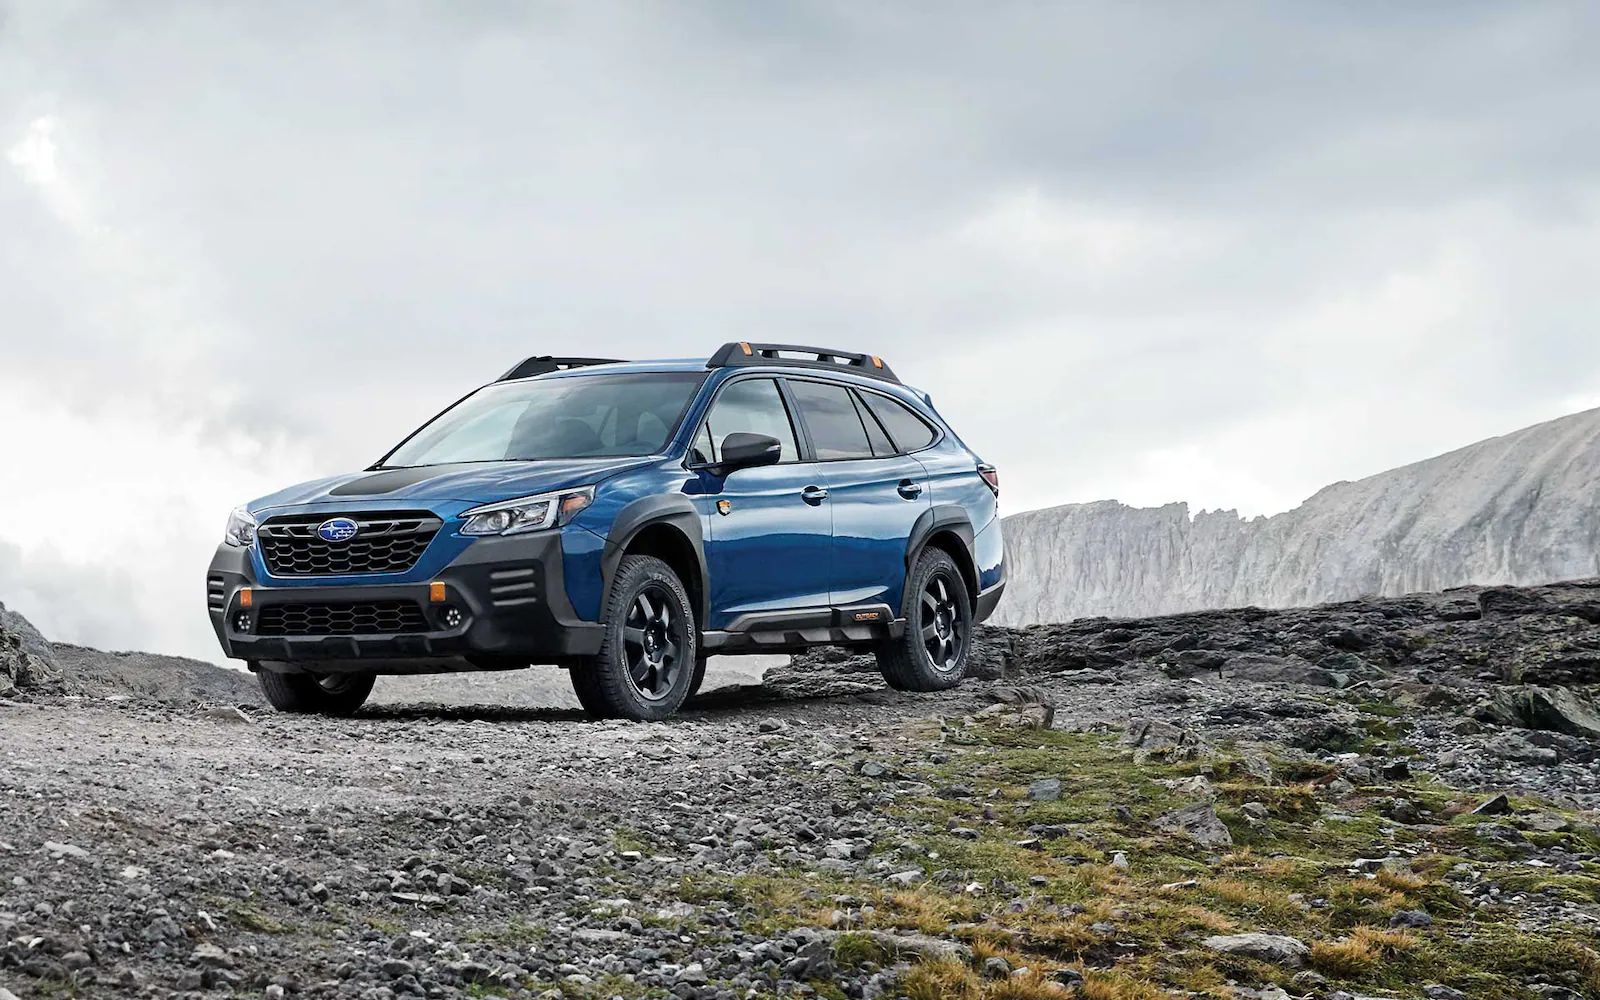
(151,849)
(192,849)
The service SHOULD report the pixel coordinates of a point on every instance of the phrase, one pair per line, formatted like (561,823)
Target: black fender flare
(675,510)
(955,520)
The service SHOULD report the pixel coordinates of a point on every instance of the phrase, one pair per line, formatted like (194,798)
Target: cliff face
(1519,509)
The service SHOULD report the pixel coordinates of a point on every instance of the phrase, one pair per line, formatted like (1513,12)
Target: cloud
(1144,252)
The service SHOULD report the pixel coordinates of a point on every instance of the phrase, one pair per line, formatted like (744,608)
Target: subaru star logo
(338,529)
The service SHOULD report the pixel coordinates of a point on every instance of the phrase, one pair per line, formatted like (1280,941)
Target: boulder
(991,657)
(1020,707)
(1153,734)
(1280,670)
(1561,710)
(1288,952)
(1199,823)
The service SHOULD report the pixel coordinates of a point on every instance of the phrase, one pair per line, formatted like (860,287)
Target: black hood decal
(390,480)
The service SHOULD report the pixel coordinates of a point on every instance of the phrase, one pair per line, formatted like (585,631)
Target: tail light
(991,475)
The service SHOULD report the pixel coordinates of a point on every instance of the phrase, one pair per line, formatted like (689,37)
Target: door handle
(910,490)
(814,495)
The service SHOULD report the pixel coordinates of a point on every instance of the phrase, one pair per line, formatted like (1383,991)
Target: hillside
(1519,509)
(1383,798)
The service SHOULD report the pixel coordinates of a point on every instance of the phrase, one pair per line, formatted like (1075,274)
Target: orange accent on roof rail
(746,348)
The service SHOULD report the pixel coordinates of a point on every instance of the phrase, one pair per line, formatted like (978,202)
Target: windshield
(586,416)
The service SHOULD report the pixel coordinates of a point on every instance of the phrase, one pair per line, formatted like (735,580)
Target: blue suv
(625,520)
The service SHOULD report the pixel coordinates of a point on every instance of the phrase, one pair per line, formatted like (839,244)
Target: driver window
(751,406)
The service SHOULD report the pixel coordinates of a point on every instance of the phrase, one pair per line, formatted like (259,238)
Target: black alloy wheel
(932,653)
(647,662)
(943,623)
(653,640)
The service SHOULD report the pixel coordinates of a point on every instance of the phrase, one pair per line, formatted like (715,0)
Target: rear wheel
(932,654)
(316,694)
(647,664)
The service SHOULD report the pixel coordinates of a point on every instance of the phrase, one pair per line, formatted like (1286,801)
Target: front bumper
(509,593)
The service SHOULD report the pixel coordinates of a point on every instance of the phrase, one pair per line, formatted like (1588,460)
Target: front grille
(390,542)
(364,618)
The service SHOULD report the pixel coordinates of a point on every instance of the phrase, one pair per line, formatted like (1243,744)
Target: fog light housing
(452,616)
(241,621)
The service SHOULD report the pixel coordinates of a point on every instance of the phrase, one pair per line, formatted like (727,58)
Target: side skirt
(792,631)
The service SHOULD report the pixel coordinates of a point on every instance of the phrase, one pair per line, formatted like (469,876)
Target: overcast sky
(1223,253)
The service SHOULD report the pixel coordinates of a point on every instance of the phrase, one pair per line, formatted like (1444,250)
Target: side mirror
(746,451)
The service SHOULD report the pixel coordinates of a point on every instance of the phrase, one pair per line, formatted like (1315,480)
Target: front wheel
(313,694)
(647,664)
(932,654)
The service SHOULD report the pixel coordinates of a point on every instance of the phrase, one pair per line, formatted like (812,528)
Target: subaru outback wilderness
(625,520)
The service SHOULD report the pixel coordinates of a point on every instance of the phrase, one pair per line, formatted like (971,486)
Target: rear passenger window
(831,419)
(910,432)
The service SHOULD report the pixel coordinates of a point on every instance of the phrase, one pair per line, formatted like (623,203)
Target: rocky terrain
(1519,509)
(1391,798)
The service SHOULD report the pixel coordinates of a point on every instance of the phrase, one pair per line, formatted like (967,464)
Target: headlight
(514,517)
(241,530)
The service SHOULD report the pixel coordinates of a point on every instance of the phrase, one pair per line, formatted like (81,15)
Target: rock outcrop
(1520,509)
(30,663)
(27,660)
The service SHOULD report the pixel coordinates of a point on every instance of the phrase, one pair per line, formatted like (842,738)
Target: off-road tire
(311,694)
(937,610)
(582,676)
(699,676)
(610,677)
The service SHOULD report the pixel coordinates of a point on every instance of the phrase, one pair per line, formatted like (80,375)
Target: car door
(877,494)
(769,530)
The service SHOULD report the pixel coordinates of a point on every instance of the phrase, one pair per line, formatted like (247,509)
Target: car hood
(475,482)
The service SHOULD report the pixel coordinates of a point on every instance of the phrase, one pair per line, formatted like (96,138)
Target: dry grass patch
(1270,903)
(1390,944)
(947,979)
(1115,986)
(1363,952)
(1347,959)
(1032,986)
(944,979)
(1400,881)
(1198,918)
(1068,936)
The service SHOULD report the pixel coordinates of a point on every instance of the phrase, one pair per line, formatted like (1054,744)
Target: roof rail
(742,353)
(544,364)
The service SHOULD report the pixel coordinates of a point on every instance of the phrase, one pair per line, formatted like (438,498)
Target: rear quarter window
(910,432)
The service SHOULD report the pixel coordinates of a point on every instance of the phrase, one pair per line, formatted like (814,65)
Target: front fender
(588,592)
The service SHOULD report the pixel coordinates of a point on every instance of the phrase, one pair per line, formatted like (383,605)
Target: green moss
(517,934)
(1291,874)
(1517,954)
(859,949)
(253,919)
(1568,888)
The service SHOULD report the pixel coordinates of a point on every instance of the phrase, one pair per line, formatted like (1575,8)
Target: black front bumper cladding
(505,605)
